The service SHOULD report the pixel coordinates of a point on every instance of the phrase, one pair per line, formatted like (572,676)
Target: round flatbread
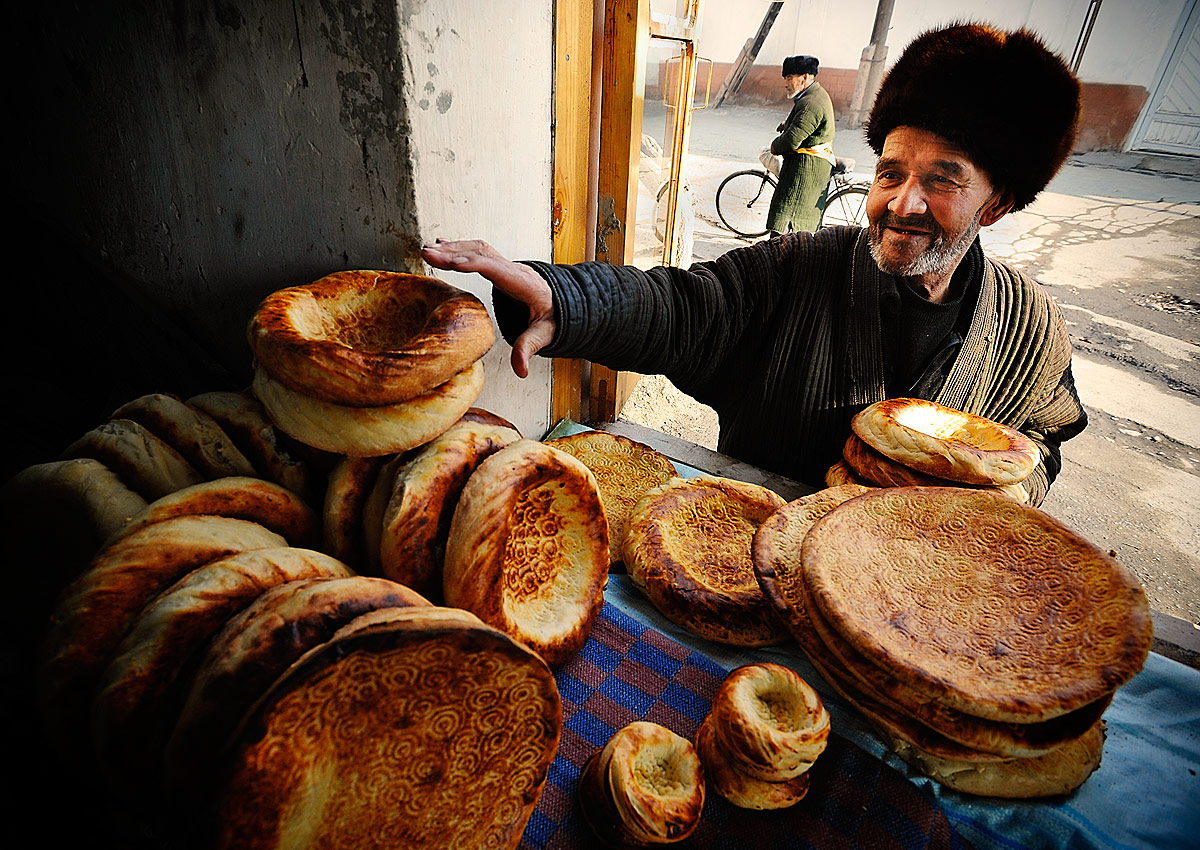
(625,469)
(414,727)
(688,549)
(947,443)
(528,548)
(991,607)
(369,431)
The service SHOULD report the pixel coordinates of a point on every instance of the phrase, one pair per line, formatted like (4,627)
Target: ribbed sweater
(784,340)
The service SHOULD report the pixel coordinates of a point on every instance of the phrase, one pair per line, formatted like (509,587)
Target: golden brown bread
(242,417)
(369,431)
(414,727)
(142,690)
(349,484)
(421,502)
(645,787)
(945,442)
(991,607)
(877,468)
(769,722)
(528,548)
(373,509)
(840,473)
(624,469)
(252,649)
(1056,773)
(254,499)
(145,463)
(742,789)
(369,338)
(190,431)
(97,609)
(59,514)
(688,549)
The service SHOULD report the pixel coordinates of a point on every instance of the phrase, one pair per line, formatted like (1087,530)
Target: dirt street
(1116,239)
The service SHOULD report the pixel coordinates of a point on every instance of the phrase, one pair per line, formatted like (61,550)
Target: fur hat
(800,65)
(1003,97)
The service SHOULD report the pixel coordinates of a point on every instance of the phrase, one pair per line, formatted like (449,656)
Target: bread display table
(638,665)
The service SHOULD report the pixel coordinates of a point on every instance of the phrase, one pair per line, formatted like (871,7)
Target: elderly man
(805,142)
(789,338)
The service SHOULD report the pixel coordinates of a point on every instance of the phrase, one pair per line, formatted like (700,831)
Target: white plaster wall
(1126,45)
(478,89)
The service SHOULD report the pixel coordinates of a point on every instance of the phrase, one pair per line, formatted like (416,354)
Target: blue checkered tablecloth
(631,671)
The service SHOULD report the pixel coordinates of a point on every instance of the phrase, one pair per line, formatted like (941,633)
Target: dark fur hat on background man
(800,65)
(1003,97)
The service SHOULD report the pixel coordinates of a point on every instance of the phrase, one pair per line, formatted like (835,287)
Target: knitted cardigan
(784,340)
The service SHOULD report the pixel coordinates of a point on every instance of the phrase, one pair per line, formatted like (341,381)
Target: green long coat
(799,199)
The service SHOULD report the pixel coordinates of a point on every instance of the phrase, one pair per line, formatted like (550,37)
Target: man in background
(805,142)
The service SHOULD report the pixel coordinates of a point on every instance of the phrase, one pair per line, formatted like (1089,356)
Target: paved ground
(1116,240)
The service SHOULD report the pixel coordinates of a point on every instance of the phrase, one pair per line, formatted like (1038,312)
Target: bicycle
(743,199)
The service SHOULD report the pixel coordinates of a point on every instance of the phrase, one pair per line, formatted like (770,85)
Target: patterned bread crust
(877,468)
(252,649)
(656,783)
(416,727)
(528,548)
(997,737)
(991,607)
(253,499)
(243,418)
(424,494)
(945,442)
(145,463)
(1057,773)
(624,469)
(688,548)
(369,431)
(143,688)
(190,431)
(97,609)
(369,338)
(769,722)
(739,788)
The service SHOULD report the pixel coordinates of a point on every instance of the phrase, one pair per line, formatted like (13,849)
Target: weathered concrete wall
(478,88)
(190,158)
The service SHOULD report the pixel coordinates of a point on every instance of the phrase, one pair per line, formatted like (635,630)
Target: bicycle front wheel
(847,205)
(743,200)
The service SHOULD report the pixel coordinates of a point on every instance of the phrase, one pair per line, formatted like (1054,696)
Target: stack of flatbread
(907,442)
(982,637)
(368,363)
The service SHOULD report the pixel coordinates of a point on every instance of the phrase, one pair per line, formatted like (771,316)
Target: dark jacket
(784,340)
(799,198)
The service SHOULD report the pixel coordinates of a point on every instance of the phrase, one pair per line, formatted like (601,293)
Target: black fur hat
(1003,97)
(800,65)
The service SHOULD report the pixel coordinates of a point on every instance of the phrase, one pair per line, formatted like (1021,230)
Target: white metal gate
(1172,123)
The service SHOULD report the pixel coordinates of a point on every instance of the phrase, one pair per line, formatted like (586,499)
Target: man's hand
(513,279)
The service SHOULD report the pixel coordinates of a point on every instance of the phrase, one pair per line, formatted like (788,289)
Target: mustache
(925,221)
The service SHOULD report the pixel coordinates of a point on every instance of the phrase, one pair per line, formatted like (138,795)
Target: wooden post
(572,127)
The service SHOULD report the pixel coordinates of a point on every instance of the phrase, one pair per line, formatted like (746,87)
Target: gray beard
(938,257)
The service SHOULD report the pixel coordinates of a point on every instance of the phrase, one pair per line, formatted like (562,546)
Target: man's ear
(997,207)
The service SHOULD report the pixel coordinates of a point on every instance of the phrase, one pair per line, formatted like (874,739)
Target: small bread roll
(770,721)
(644,787)
(739,788)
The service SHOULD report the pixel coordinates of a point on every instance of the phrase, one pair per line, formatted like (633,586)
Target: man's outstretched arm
(513,279)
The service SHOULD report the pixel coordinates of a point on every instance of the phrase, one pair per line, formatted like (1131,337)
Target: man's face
(796,83)
(926,204)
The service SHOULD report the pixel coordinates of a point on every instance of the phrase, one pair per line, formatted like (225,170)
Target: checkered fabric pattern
(628,671)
